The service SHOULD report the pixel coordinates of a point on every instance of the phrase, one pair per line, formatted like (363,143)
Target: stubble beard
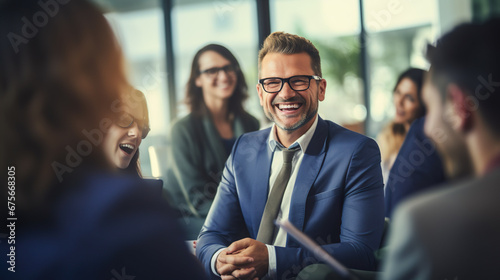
(306,117)
(303,120)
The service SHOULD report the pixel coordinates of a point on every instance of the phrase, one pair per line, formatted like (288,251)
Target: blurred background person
(124,136)
(76,219)
(202,141)
(452,232)
(417,167)
(409,107)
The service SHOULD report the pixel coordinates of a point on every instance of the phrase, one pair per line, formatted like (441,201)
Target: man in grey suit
(454,233)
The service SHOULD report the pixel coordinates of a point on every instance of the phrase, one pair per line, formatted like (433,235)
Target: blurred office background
(364,45)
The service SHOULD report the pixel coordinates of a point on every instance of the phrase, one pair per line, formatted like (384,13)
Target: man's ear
(322,90)
(463,108)
(260,92)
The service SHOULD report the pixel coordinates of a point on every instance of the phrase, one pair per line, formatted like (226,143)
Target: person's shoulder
(186,128)
(120,217)
(418,124)
(417,129)
(447,201)
(336,129)
(249,122)
(338,133)
(117,201)
(183,122)
(257,134)
(106,191)
(254,140)
(420,204)
(453,223)
(245,116)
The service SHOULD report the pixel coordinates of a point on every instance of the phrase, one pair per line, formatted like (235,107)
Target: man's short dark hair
(469,56)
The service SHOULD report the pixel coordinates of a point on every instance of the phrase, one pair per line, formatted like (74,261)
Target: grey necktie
(273,205)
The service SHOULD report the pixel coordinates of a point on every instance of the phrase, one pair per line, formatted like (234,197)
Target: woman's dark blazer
(196,160)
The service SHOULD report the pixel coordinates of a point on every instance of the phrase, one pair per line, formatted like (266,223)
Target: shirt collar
(302,142)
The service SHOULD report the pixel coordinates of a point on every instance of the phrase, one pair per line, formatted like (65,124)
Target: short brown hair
(285,43)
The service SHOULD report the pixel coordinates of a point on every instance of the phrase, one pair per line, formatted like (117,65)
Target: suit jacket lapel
(262,170)
(308,171)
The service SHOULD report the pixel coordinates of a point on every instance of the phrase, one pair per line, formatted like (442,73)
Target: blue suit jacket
(416,168)
(101,226)
(337,199)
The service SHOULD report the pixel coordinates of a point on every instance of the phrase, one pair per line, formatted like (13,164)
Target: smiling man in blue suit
(326,180)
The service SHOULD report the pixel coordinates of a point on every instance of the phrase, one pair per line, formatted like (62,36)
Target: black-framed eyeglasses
(126,120)
(297,83)
(213,72)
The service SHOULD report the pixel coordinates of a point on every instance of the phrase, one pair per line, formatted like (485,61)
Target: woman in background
(122,139)
(409,106)
(202,141)
(75,217)
(124,136)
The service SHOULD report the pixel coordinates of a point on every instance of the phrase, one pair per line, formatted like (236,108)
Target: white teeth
(127,146)
(288,106)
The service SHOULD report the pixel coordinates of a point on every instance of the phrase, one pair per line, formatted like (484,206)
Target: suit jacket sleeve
(362,217)
(220,232)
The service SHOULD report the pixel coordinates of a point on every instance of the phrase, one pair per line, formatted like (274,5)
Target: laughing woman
(202,141)
(130,126)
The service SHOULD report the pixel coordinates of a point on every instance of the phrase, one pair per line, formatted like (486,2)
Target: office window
(333,27)
(232,24)
(397,33)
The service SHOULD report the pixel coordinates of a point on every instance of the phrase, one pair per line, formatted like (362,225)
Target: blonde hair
(285,43)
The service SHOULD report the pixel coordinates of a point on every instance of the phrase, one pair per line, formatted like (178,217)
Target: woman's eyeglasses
(126,120)
(213,72)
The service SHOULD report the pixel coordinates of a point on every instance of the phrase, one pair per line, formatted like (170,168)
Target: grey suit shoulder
(451,233)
